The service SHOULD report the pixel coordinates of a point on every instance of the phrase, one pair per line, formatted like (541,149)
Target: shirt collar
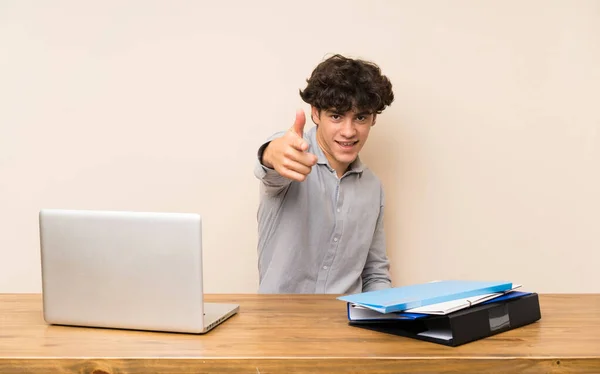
(355,167)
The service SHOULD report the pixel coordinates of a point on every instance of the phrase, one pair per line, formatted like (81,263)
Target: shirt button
(325,267)
(335,239)
(338,210)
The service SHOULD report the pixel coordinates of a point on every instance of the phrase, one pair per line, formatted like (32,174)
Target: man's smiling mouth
(347,144)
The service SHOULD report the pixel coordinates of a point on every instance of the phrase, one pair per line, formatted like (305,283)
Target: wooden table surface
(296,333)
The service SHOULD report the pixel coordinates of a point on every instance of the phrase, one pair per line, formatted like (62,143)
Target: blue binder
(401,298)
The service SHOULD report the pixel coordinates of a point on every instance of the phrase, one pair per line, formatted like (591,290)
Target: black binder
(466,325)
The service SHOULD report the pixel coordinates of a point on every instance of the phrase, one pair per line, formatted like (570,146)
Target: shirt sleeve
(375,274)
(272,181)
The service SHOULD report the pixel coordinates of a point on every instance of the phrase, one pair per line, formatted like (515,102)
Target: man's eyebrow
(364,113)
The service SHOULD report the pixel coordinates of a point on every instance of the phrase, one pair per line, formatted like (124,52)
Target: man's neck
(339,168)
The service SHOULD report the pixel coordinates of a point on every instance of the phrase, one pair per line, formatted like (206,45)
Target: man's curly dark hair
(342,84)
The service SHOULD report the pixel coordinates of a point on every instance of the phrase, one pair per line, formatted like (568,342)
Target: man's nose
(348,130)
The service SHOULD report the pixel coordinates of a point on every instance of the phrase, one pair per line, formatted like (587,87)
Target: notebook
(458,304)
(357,313)
(418,295)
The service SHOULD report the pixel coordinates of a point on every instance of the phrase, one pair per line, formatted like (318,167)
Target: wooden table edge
(264,365)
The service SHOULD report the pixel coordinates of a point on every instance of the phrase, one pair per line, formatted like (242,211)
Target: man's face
(342,135)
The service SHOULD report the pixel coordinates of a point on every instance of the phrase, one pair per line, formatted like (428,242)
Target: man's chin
(346,158)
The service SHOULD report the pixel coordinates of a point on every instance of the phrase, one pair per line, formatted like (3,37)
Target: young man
(320,217)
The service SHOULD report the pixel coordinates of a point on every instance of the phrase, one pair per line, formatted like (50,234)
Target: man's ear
(374,119)
(315,115)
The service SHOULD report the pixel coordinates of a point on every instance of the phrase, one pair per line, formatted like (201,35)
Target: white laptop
(126,270)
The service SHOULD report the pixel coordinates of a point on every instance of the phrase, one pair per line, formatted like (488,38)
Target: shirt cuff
(376,286)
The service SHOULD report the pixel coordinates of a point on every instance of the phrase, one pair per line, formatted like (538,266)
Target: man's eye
(335,116)
(361,118)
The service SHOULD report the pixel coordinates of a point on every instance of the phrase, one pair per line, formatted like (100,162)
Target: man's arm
(376,274)
(272,181)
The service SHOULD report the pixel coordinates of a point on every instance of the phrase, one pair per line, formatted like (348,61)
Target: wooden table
(299,333)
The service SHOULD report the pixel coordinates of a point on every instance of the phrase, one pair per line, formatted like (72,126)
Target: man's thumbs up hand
(287,154)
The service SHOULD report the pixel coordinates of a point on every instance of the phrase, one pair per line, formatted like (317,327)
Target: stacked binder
(446,312)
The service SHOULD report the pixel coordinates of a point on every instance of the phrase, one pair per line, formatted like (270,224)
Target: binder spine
(494,319)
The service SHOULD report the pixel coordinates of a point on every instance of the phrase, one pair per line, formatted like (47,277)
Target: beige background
(490,155)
